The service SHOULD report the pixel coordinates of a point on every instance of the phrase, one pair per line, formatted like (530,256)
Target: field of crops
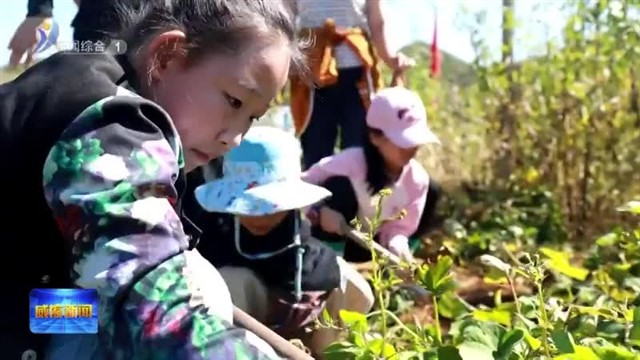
(537,251)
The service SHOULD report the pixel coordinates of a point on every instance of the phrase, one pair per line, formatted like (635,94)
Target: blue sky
(408,20)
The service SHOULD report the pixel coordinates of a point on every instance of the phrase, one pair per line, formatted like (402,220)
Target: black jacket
(34,110)
(320,269)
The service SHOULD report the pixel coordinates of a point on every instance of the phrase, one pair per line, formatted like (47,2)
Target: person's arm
(394,234)
(348,163)
(376,24)
(110,183)
(40,8)
(396,61)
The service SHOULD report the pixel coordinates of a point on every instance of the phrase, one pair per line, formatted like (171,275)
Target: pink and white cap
(400,114)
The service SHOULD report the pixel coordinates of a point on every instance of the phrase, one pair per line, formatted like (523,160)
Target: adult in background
(344,67)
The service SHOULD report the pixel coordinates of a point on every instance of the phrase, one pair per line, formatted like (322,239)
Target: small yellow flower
(385,192)
(532,176)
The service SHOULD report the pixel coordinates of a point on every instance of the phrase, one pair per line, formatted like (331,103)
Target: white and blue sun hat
(261,176)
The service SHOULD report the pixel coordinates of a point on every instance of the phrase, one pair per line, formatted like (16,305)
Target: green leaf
(354,320)
(475,331)
(387,351)
(563,342)
(502,317)
(610,329)
(634,335)
(326,316)
(436,278)
(407,355)
(578,90)
(619,272)
(607,240)
(533,343)
(615,353)
(448,353)
(495,276)
(428,355)
(475,351)
(553,254)
(560,263)
(342,351)
(507,342)
(450,306)
(596,311)
(581,353)
(358,339)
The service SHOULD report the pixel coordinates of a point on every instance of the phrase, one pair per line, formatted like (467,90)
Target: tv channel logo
(46,35)
(63,311)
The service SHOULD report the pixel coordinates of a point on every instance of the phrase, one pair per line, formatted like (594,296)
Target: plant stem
(512,257)
(397,321)
(437,320)
(383,316)
(545,320)
(377,279)
(515,294)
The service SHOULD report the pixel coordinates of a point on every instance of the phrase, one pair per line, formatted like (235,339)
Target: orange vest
(325,71)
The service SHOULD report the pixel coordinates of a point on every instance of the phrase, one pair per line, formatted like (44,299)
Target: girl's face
(395,157)
(262,225)
(214,102)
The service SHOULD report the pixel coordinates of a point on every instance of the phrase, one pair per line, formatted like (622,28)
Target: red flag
(436,61)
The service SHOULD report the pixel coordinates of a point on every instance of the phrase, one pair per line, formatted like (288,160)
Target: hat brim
(414,136)
(234,197)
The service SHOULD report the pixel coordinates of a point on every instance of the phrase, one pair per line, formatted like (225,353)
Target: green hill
(454,70)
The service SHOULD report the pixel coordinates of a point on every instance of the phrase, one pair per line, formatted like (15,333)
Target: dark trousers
(344,201)
(336,106)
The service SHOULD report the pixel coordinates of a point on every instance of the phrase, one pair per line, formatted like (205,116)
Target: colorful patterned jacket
(112,178)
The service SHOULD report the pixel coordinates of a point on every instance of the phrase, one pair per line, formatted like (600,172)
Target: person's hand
(23,40)
(400,62)
(332,221)
(399,245)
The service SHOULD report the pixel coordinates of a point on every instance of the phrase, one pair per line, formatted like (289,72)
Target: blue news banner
(63,311)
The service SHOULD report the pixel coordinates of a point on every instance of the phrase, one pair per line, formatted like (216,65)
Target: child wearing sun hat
(257,239)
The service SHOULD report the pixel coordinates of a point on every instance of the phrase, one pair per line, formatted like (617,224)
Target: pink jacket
(408,193)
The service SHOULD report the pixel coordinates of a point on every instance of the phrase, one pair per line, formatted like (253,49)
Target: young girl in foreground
(102,143)
(255,236)
(397,127)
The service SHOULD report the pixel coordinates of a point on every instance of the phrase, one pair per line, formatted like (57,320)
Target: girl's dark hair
(377,176)
(211,26)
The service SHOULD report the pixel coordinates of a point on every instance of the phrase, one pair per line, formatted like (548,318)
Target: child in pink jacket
(396,129)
